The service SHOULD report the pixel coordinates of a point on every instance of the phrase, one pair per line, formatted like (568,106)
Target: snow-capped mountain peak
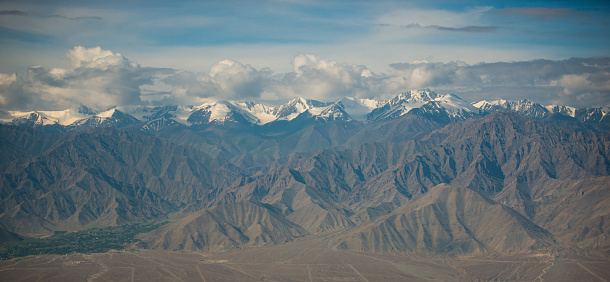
(63,117)
(455,105)
(31,118)
(564,110)
(407,101)
(424,103)
(332,112)
(263,113)
(109,118)
(296,106)
(357,108)
(220,112)
(414,97)
(106,114)
(524,107)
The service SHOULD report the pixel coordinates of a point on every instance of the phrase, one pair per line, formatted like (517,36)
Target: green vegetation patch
(94,240)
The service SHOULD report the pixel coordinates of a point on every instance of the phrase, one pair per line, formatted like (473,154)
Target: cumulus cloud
(577,81)
(12,94)
(82,57)
(101,78)
(324,79)
(98,79)
(235,80)
(312,77)
(226,80)
(588,87)
(424,74)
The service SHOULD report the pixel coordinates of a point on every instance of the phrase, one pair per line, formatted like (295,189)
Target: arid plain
(310,259)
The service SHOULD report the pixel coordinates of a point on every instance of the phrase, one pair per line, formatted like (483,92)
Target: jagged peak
(107,114)
(86,110)
(346,101)
(481,103)
(297,100)
(412,97)
(355,108)
(421,94)
(564,110)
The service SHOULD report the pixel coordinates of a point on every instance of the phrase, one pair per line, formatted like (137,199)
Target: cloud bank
(98,78)
(101,78)
(577,82)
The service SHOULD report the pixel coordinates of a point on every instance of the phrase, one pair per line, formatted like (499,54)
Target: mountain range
(249,113)
(420,173)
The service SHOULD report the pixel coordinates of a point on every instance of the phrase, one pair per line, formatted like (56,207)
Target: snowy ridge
(106,114)
(65,117)
(357,108)
(32,118)
(524,107)
(455,105)
(538,111)
(109,118)
(447,107)
(564,110)
(297,106)
(177,113)
(263,113)
(452,105)
(220,112)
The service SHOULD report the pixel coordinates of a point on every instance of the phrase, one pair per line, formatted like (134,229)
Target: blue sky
(265,37)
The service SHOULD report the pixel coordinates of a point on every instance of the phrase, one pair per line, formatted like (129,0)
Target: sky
(64,53)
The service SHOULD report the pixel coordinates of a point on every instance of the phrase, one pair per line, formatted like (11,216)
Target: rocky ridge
(426,173)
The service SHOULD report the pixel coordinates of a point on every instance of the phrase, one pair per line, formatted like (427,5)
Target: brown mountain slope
(449,220)
(577,212)
(106,177)
(505,156)
(286,190)
(225,227)
(503,178)
(509,159)
(261,145)
(18,143)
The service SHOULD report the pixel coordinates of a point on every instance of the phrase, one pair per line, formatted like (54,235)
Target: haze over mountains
(422,172)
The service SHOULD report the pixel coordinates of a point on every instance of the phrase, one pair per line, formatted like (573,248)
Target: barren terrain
(302,260)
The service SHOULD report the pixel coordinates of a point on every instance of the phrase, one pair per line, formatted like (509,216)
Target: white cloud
(424,74)
(590,88)
(324,79)
(235,80)
(576,82)
(311,77)
(101,78)
(82,57)
(12,94)
(226,80)
(7,79)
(98,79)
